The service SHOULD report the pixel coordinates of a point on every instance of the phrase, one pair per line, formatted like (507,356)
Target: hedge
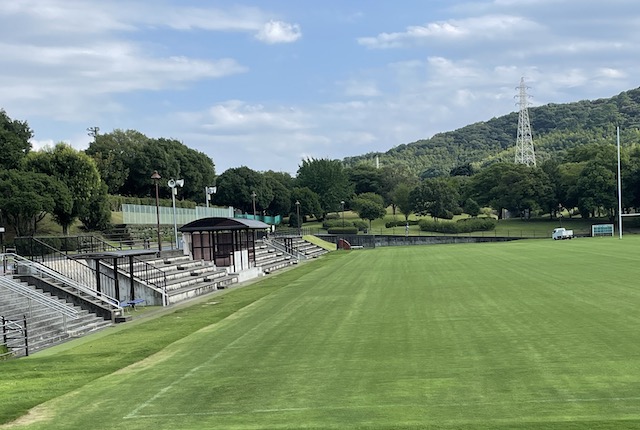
(466,225)
(343,230)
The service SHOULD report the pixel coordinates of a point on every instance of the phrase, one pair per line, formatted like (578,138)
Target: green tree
(113,153)
(328,179)
(598,190)
(369,206)
(236,186)
(436,197)
(14,141)
(472,208)
(97,213)
(73,168)
(281,202)
(515,187)
(26,197)
(309,202)
(402,200)
(365,178)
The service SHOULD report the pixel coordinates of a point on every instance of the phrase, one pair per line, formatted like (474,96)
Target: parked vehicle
(561,233)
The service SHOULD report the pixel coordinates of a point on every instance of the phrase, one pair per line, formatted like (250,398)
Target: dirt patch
(35,415)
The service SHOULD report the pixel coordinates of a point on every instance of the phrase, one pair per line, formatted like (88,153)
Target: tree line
(73,185)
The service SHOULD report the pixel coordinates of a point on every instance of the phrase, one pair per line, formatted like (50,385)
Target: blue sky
(267,84)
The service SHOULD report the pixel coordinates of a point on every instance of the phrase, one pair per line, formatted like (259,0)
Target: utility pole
(525,153)
(93,132)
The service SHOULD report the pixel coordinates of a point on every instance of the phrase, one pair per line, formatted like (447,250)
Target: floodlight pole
(156,177)
(342,204)
(298,216)
(253,199)
(619,185)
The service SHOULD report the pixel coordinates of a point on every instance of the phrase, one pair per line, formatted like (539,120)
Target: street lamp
(173,184)
(208,191)
(253,199)
(156,177)
(342,203)
(298,215)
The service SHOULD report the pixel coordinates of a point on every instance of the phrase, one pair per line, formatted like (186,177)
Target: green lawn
(527,334)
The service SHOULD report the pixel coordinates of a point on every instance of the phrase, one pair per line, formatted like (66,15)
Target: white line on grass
(134,413)
(439,405)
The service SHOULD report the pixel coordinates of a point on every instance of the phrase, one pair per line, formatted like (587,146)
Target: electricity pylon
(525,153)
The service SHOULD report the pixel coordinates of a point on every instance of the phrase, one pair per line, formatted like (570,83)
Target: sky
(267,84)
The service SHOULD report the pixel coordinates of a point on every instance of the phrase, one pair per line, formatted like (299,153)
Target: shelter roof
(223,224)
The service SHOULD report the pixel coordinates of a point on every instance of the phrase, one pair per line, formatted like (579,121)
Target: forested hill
(556,128)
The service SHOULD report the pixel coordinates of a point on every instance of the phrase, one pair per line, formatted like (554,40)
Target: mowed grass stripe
(524,334)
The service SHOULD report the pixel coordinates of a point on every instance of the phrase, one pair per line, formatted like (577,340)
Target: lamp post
(253,199)
(156,177)
(342,203)
(298,215)
(173,184)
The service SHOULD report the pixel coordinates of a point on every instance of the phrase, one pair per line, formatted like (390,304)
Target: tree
(73,168)
(365,178)
(309,202)
(328,179)
(435,197)
(14,141)
(236,186)
(97,213)
(25,198)
(369,206)
(597,189)
(126,160)
(281,202)
(515,187)
(113,153)
(401,199)
(392,176)
(472,208)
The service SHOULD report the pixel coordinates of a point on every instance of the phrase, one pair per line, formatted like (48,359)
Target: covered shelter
(227,242)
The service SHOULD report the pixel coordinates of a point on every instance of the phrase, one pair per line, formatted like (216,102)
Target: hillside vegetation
(556,129)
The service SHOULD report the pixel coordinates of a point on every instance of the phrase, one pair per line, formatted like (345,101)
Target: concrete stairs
(270,259)
(45,326)
(186,278)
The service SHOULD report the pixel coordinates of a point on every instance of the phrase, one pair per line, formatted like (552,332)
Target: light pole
(253,199)
(342,203)
(207,193)
(173,184)
(298,215)
(156,177)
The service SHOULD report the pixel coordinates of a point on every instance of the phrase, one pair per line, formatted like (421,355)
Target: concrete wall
(373,241)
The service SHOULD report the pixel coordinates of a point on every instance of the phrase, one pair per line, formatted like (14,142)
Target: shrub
(466,225)
(330,223)
(398,223)
(343,230)
(332,216)
(360,225)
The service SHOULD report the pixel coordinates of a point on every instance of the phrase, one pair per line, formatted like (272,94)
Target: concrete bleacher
(45,326)
(270,259)
(187,278)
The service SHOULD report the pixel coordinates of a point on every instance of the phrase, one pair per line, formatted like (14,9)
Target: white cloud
(361,88)
(279,32)
(474,28)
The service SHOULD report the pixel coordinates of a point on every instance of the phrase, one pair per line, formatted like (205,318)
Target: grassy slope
(531,334)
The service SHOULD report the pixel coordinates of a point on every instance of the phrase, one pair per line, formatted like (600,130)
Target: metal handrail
(111,302)
(150,275)
(280,247)
(27,292)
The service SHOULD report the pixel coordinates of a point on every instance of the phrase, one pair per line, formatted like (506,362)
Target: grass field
(527,335)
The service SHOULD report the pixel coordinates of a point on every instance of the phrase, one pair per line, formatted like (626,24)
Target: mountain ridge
(556,128)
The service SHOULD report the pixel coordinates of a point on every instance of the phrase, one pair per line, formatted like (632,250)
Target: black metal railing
(43,250)
(14,337)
